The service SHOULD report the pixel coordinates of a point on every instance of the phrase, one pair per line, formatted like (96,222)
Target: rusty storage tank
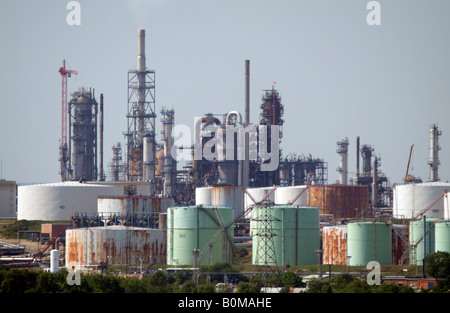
(400,243)
(116,245)
(334,244)
(342,201)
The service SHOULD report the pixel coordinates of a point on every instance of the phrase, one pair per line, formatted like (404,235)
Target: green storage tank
(193,228)
(295,235)
(416,231)
(369,241)
(442,236)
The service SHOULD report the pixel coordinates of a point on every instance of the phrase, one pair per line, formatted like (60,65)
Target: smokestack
(342,150)
(101,175)
(357,157)
(141,50)
(247,92)
(246,162)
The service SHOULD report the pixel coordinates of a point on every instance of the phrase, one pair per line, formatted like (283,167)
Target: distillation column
(342,150)
(434,149)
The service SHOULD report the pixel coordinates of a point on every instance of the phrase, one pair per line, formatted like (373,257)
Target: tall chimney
(247,92)
(141,50)
(101,175)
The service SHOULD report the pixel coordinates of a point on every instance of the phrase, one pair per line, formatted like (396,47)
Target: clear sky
(337,76)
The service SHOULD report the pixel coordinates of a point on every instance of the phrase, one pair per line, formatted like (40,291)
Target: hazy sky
(337,76)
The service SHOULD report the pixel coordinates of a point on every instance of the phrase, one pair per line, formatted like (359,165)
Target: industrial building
(147,210)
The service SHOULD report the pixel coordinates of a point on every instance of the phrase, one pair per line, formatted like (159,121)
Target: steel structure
(140,134)
(63,149)
(434,151)
(83,111)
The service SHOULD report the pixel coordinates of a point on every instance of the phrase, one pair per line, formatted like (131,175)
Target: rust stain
(334,245)
(341,201)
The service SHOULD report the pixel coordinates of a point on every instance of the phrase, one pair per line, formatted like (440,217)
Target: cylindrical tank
(442,236)
(369,241)
(295,235)
(229,197)
(334,245)
(59,201)
(203,196)
(411,199)
(255,195)
(416,232)
(341,201)
(292,195)
(115,245)
(54,261)
(447,207)
(192,229)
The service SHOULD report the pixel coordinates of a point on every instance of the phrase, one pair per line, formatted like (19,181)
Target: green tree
(248,287)
(438,264)
(18,281)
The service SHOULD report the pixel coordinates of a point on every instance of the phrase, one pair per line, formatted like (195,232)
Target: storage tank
(229,197)
(447,207)
(416,232)
(442,236)
(8,192)
(253,195)
(116,245)
(369,241)
(203,196)
(59,201)
(127,205)
(296,236)
(292,195)
(54,261)
(341,201)
(411,199)
(193,228)
(334,244)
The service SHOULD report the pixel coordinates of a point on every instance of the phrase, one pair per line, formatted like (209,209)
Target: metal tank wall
(369,241)
(442,236)
(341,201)
(59,201)
(296,235)
(416,231)
(117,245)
(221,196)
(53,202)
(258,194)
(8,192)
(191,228)
(126,205)
(334,245)
(292,195)
(411,199)
(447,207)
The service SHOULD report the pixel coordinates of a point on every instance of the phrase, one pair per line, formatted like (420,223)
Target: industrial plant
(143,207)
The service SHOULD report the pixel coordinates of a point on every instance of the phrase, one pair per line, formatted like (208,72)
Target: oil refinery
(148,207)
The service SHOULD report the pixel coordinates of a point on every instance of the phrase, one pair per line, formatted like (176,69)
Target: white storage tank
(447,207)
(253,195)
(203,196)
(292,195)
(59,201)
(411,199)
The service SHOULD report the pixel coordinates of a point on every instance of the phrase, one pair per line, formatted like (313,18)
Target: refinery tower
(140,134)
